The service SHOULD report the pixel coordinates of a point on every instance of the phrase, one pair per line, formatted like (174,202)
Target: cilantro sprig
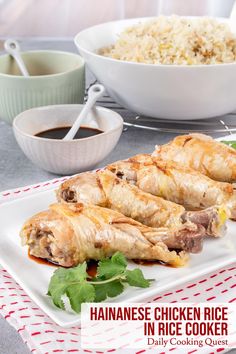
(231,143)
(79,287)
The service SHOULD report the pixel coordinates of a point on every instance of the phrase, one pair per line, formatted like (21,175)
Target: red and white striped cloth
(43,336)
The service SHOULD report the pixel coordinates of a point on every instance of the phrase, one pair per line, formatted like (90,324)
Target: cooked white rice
(175,40)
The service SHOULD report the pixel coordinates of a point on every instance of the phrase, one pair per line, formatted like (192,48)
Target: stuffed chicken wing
(104,189)
(202,153)
(69,234)
(179,185)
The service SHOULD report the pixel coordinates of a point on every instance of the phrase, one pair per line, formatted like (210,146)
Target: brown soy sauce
(92,268)
(91,265)
(145,262)
(41,260)
(60,133)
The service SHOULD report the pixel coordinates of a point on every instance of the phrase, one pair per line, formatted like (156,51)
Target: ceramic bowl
(161,91)
(56,78)
(66,157)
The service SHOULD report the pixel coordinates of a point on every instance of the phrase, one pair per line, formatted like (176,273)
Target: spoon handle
(13,48)
(94,93)
(21,64)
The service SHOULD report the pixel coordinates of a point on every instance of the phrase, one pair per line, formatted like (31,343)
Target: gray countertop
(16,170)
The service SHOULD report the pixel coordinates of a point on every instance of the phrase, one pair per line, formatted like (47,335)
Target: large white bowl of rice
(165,67)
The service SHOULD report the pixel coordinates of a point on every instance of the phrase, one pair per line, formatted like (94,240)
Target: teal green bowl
(55,78)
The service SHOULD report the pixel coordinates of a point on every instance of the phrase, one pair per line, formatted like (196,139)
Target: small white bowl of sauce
(39,132)
(60,133)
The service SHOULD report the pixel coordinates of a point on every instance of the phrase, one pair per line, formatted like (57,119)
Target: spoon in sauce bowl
(12,47)
(94,92)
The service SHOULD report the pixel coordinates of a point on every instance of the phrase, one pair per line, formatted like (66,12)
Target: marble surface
(16,170)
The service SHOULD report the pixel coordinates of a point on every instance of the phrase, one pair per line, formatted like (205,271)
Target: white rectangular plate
(34,277)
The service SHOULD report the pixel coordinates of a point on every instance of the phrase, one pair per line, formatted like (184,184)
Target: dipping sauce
(60,133)
(92,268)
(41,260)
(145,262)
(91,265)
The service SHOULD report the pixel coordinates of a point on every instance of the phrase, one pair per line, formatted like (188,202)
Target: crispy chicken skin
(183,185)
(68,234)
(104,189)
(180,185)
(202,153)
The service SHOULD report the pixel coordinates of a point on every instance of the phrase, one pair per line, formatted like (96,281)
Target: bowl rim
(41,77)
(124,62)
(56,141)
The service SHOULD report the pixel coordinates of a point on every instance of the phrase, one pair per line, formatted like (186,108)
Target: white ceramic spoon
(13,48)
(232,19)
(94,92)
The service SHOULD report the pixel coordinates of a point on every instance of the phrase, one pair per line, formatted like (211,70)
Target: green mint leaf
(108,268)
(112,289)
(79,293)
(135,278)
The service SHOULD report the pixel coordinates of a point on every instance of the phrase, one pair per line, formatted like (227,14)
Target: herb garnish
(230,143)
(111,277)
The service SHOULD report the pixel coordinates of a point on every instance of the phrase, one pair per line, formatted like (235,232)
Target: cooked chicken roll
(68,234)
(202,153)
(180,185)
(104,189)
